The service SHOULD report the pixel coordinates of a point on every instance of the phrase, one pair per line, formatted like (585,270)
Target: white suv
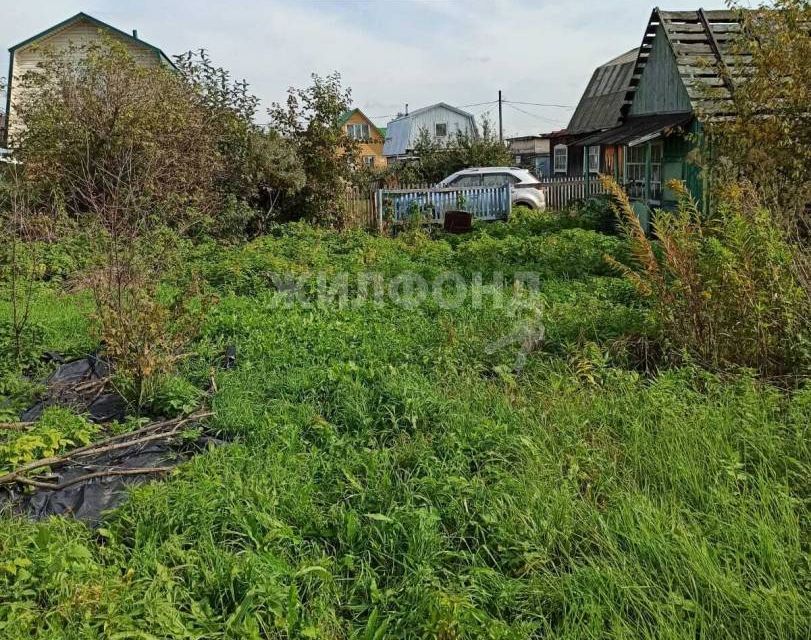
(527,191)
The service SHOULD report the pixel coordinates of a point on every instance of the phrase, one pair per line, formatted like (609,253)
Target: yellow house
(370,138)
(77,31)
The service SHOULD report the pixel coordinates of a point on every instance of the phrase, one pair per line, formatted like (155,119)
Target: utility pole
(500,122)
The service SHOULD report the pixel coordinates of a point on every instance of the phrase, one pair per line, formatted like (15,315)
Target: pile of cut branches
(34,474)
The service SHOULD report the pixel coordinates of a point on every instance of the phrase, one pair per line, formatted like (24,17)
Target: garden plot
(87,480)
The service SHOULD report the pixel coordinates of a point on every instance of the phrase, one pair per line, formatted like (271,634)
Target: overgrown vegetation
(538,429)
(768,141)
(391,475)
(725,291)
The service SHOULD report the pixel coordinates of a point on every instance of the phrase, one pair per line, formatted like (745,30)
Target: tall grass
(387,477)
(725,289)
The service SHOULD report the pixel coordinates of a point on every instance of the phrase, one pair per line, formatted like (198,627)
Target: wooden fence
(361,205)
(363,202)
(561,192)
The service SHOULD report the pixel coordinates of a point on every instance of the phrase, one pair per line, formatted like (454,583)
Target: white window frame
(436,132)
(359,131)
(635,173)
(369,162)
(594,156)
(564,156)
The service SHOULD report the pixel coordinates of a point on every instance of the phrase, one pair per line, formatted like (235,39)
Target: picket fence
(363,203)
(484,203)
(563,191)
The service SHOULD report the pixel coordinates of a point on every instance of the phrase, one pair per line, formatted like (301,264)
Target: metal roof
(601,104)
(702,43)
(638,129)
(445,105)
(398,131)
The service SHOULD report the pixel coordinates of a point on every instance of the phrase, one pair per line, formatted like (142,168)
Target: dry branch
(90,476)
(113,443)
(16,426)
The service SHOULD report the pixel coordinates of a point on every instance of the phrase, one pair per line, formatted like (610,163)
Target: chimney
(135,33)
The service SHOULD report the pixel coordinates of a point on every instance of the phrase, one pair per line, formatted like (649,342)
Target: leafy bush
(309,120)
(596,212)
(57,430)
(572,253)
(172,395)
(767,140)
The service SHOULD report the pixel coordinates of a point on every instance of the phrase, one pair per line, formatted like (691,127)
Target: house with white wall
(76,32)
(440,121)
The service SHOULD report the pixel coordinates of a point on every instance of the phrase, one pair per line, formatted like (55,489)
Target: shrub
(726,290)
(767,141)
(309,120)
(436,160)
(257,167)
(93,120)
(55,431)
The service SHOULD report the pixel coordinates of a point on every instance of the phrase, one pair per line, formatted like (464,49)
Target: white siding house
(77,31)
(441,121)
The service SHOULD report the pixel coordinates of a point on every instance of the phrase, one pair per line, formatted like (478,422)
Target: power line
(478,104)
(541,104)
(534,115)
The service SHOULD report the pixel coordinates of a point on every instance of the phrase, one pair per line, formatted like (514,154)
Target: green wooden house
(676,86)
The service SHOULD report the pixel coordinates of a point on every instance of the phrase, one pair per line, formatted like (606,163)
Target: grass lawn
(389,475)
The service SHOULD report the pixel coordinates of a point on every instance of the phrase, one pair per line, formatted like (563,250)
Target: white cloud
(390,52)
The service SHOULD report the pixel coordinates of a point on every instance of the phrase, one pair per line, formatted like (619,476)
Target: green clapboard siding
(660,88)
(678,164)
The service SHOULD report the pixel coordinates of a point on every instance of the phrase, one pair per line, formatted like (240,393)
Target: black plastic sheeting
(88,501)
(71,385)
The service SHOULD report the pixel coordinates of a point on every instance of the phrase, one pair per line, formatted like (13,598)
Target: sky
(390,52)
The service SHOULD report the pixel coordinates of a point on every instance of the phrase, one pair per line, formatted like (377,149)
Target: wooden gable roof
(702,43)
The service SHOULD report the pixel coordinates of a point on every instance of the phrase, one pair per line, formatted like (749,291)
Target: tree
(310,120)
(258,167)
(768,141)
(437,160)
(130,151)
(90,113)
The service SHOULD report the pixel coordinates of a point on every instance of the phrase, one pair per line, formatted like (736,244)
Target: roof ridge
(100,23)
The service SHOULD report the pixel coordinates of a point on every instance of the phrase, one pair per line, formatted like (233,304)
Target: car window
(467,181)
(498,179)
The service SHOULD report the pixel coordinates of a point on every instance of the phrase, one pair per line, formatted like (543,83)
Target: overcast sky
(390,52)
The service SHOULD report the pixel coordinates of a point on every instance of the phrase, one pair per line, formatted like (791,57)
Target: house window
(358,131)
(518,160)
(636,163)
(441,129)
(561,158)
(594,159)
(369,162)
